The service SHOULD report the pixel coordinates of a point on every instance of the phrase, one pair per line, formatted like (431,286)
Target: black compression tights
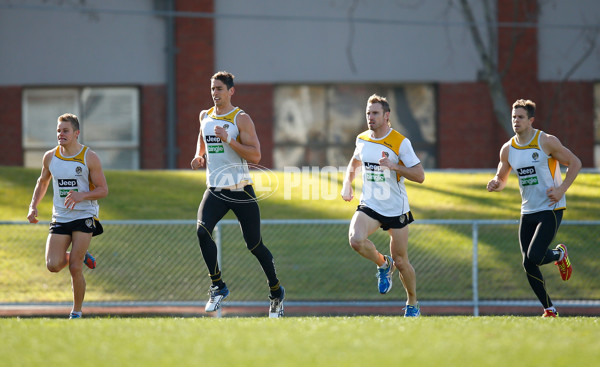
(215,204)
(536,232)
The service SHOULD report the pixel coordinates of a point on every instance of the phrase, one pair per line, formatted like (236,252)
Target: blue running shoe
(384,276)
(412,311)
(216,296)
(89,261)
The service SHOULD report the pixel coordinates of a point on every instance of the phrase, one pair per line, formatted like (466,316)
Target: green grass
(302,341)
(176,195)
(441,254)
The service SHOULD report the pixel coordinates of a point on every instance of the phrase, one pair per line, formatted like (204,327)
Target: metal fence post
(217,233)
(475,269)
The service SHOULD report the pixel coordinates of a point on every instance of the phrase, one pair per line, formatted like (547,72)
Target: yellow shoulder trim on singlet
(230,117)
(80,157)
(392,141)
(534,144)
(365,135)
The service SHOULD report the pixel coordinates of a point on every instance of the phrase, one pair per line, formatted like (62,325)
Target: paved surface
(198,311)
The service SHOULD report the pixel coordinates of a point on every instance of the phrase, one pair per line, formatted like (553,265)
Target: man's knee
(533,260)
(259,249)
(528,264)
(253,241)
(203,234)
(400,261)
(357,242)
(76,267)
(54,266)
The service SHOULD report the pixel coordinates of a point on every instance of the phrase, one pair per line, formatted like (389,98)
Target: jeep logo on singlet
(66,182)
(376,174)
(65,185)
(212,139)
(372,166)
(526,171)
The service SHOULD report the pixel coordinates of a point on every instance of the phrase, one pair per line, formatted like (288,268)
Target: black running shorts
(400,221)
(86,225)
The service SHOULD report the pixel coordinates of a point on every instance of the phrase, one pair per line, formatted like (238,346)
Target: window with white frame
(109,120)
(317,125)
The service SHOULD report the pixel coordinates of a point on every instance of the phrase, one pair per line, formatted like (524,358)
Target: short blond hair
(69,117)
(375,98)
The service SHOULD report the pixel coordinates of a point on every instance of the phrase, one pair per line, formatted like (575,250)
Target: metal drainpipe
(171,84)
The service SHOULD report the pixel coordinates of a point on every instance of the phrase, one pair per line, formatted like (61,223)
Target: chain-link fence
(467,262)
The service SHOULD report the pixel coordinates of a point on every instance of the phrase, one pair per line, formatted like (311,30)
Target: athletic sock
(385,264)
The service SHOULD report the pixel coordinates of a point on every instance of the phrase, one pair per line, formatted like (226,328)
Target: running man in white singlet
(535,157)
(226,143)
(386,158)
(78,182)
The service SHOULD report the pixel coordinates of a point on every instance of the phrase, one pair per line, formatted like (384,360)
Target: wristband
(228,138)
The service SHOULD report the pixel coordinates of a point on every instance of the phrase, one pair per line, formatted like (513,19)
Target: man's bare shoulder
(506,145)
(93,160)
(48,155)
(244,120)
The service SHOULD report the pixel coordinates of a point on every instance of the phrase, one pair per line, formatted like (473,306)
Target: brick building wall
(194,65)
(567,111)
(468,137)
(257,101)
(153,142)
(10,125)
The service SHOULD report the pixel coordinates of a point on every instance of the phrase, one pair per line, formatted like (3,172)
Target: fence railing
(469,263)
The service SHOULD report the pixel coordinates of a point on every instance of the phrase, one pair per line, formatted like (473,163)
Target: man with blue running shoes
(386,158)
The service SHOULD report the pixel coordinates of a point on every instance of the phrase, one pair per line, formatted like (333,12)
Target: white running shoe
(216,296)
(276,305)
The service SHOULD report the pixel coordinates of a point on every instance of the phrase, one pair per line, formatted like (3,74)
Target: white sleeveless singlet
(224,167)
(71,173)
(537,172)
